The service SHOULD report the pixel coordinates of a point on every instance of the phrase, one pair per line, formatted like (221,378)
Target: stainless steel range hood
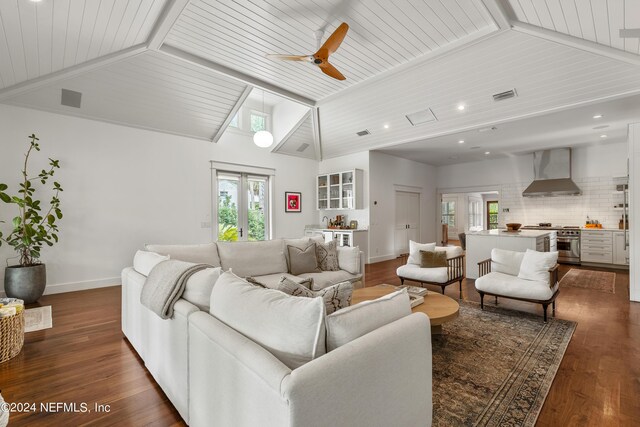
(552,174)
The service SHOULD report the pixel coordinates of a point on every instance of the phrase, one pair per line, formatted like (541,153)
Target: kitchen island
(480,243)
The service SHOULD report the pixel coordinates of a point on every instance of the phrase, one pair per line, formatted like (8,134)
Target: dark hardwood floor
(85,358)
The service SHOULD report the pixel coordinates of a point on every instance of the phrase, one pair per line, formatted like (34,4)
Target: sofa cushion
(273,280)
(353,322)
(433,259)
(536,265)
(198,288)
(335,297)
(349,259)
(507,262)
(298,243)
(144,261)
(325,279)
(513,286)
(198,254)
(414,251)
(253,258)
(417,273)
(302,260)
(292,329)
(327,256)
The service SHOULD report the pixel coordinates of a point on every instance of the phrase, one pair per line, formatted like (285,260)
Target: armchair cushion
(452,251)
(414,251)
(415,272)
(515,287)
(507,262)
(432,259)
(349,259)
(536,265)
(198,288)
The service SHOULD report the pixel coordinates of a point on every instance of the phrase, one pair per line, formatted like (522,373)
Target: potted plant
(31,230)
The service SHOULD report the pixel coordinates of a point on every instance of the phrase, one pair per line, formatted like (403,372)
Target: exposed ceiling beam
(291,132)
(170,15)
(498,13)
(236,75)
(317,141)
(65,73)
(233,112)
(577,43)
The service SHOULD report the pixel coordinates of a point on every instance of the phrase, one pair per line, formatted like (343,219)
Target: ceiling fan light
(263,139)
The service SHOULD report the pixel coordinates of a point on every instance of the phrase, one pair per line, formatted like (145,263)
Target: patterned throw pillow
(433,259)
(327,256)
(335,297)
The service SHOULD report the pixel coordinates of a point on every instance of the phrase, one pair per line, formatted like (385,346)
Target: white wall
(593,169)
(124,187)
(634,211)
(388,173)
(345,163)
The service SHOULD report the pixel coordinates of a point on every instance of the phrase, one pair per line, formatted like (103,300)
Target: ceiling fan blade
(335,39)
(289,57)
(331,71)
(630,32)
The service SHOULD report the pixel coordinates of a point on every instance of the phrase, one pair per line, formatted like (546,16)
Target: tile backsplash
(597,202)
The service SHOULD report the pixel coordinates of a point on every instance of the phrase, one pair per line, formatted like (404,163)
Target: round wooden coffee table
(440,308)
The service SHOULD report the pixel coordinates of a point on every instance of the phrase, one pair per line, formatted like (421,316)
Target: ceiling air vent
(363,132)
(302,147)
(420,117)
(505,95)
(71,98)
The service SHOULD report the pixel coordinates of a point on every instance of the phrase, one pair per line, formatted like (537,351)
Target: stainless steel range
(568,241)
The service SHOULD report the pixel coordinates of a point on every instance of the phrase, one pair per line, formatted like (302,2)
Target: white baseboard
(60,288)
(381,258)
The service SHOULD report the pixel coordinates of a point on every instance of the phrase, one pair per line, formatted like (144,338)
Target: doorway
(407,220)
(492,214)
(242,207)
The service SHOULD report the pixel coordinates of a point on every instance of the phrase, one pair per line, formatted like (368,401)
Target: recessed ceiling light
(461,107)
(386,126)
(597,116)
(486,153)
(461,141)
(603,136)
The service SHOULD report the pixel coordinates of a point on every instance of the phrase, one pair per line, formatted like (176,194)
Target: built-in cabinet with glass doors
(340,190)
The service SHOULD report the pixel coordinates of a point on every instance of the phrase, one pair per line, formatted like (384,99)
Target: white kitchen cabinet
(351,238)
(620,249)
(596,246)
(340,190)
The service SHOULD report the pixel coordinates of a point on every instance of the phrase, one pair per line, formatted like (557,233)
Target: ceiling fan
(321,57)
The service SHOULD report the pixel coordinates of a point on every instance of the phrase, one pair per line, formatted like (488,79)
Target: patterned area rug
(495,367)
(602,281)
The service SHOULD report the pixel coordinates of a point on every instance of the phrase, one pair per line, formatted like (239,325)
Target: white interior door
(407,220)
(413,217)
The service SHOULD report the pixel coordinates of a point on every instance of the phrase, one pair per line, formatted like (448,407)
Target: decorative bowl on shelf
(513,226)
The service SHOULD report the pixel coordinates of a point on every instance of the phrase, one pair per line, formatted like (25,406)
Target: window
(234,122)
(475,213)
(492,215)
(449,213)
(258,121)
(242,207)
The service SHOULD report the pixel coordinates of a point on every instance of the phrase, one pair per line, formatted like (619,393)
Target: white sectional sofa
(217,376)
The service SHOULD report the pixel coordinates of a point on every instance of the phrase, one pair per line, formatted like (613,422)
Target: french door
(242,206)
(407,219)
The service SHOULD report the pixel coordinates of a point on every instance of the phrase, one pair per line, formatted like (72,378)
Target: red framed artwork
(293,202)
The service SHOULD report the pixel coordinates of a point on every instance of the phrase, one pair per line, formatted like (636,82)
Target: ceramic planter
(26,283)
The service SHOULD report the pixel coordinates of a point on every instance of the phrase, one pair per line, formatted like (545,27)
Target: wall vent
(71,98)
(363,132)
(505,95)
(302,147)
(420,117)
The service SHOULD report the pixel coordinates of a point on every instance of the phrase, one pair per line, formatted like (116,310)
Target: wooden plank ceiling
(239,33)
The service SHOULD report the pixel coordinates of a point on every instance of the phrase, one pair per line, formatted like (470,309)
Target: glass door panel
(334,191)
(256,208)
(323,192)
(348,200)
(228,202)
(492,214)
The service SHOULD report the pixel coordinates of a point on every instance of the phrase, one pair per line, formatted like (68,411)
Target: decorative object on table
(11,328)
(513,362)
(414,290)
(4,414)
(592,223)
(602,281)
(513,226)
(31,229)
(37,319)
(353,224)
(293,202)
(415,300)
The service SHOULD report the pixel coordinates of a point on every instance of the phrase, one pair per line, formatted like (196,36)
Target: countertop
(602,229)
(505,233)
(320,228)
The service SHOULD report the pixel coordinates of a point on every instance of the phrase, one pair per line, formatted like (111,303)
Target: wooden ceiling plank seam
(614,18)
(291,132)
(487,16)
(413,28)
(88,41)
(21,32)
(530,12)
(557,15)
(430,15)
(106,27)
(234,110)
(600,14)
(124,26)
(72,34)
(464,10)
(127,34)
(585,19)
(459,17)
(400,28)
(632,20)
(82,22)
(236,75)
(145,30)
(93,64)
(168,18)
(443,40)
(99,27)
(544,14)
(116,32)
(517,10)
(443,13)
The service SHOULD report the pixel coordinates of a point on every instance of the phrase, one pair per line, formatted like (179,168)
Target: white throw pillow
(349,259)
(536,265)
(452,251)
(415,248)
(507,262)
(350,323)
(291,328)
(144,261)
(198,288)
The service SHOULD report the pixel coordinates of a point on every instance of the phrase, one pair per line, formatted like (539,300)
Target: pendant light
(263,138)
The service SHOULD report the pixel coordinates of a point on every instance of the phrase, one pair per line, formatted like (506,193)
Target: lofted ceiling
(185,66)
